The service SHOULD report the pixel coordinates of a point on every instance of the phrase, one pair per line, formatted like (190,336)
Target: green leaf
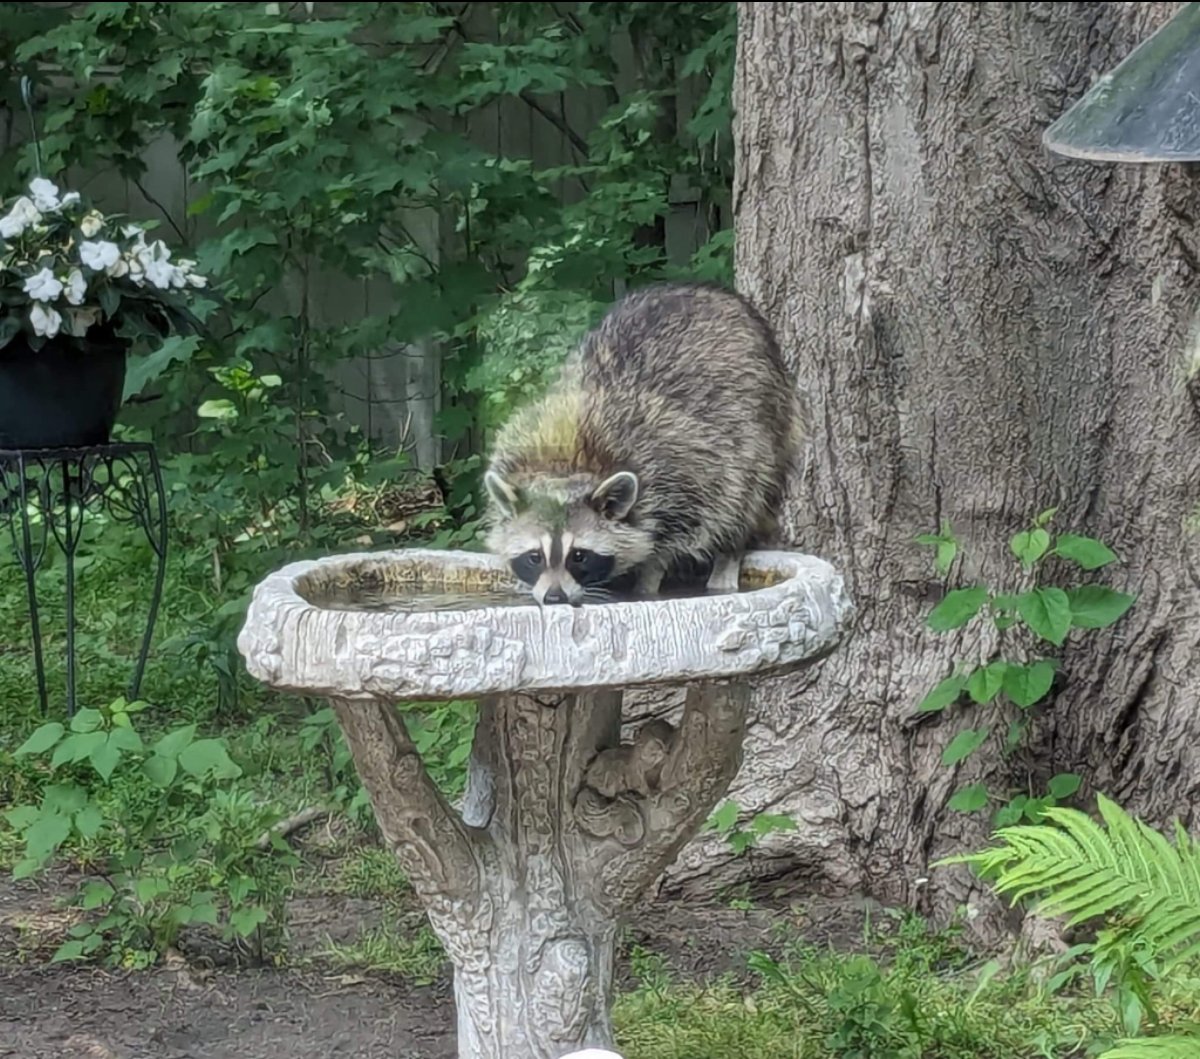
(970,799)
(741,841)
(87,720)
(41,740)
(1030,546)
(96,894)
(208,756)
(765,823)
(88,821)
(161,770)
(64,798)
(1015,733)
(958,608)
(50,832)
(946,545)
(1064,785)
(125,739)
(76,747)
(945,694)
(205,913)
(985,683)
(1046,611)
(1011,813)
(724,818)
(144,370)
(944,558)
(1045,517)
(245,920)
(963,745)
(1035,808)
(26,867)
(148,887)
(104,759)
(22,816)
(221,408)
(68,950)
(1028,684)
(10,327)
(1095,606)
(174,741)
(1088,552)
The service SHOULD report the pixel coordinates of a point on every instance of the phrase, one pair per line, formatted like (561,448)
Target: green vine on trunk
(1023,675)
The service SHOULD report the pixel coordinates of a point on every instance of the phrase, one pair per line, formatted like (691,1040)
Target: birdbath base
(562,827)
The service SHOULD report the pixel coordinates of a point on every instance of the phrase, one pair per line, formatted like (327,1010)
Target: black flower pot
(65,394)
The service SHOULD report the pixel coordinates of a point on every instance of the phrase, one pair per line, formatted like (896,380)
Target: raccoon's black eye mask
(586,567)
(589,568)
(528,567)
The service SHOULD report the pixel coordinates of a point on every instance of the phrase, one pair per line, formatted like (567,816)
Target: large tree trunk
(983,331)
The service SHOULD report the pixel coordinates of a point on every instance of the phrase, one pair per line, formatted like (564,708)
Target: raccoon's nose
(555,595)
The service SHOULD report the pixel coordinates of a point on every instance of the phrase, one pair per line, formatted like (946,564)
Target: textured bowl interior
(417,583)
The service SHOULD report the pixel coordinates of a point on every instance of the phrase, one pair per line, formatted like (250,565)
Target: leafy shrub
(175,843)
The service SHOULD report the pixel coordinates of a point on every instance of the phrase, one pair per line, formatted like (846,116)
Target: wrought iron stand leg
(158,541)
(70,539)
(27,564)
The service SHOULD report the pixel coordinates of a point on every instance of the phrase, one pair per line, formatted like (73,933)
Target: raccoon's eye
(590,568)
(528,566)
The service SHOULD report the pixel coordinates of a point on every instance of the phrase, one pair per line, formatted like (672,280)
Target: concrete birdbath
(562,827)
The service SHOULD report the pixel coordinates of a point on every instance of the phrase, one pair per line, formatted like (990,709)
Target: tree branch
(577,141)
(435,848)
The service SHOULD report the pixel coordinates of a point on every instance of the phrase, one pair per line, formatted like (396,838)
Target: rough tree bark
(983,331)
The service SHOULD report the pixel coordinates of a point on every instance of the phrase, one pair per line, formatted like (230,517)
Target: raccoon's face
(566,538)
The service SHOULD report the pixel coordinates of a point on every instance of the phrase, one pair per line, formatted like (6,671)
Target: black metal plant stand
(46,493)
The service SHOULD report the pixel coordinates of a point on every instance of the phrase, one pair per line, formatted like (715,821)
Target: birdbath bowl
(562,827)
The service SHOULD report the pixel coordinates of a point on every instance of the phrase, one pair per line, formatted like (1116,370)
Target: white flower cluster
(27,212)
(139,262)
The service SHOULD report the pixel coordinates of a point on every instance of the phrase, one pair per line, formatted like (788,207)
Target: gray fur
(680,387)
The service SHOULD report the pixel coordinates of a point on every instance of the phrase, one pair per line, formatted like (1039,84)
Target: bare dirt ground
(196,1008)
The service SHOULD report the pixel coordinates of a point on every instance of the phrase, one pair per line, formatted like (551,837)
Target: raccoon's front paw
(725,574)
(650,579)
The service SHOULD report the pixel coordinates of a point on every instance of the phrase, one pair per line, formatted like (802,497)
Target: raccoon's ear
(503,495)
(616,495)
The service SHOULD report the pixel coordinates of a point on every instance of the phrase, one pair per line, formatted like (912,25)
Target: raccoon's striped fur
(666,438)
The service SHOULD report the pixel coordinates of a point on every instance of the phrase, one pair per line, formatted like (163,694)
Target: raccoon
(666,439)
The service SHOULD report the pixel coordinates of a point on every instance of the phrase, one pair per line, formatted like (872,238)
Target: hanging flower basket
(77,289)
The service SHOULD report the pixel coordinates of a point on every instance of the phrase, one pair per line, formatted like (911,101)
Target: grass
(372,872)
(923,999)
(415,956)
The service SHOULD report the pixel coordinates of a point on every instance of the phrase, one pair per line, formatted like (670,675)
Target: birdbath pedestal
(562,827)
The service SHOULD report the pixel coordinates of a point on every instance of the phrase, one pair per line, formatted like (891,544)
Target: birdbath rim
(794,608)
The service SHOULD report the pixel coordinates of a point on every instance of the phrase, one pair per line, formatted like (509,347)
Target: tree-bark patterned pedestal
(562,828)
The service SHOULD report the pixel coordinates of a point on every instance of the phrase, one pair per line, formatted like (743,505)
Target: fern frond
(1156,1048)
(1084,870)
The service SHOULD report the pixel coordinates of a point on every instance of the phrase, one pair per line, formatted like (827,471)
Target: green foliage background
(333,143)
